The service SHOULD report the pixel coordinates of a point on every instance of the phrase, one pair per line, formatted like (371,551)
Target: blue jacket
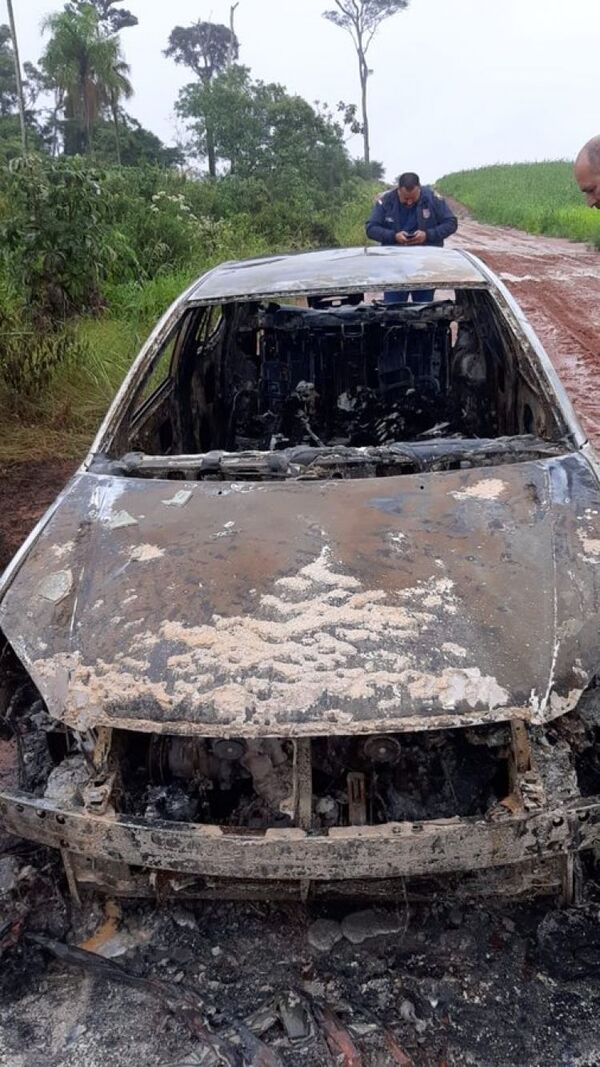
(434,215)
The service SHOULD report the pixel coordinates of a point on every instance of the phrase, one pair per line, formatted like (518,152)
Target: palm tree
(88,70)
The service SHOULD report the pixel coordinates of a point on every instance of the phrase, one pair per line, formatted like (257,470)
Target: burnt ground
(473,984)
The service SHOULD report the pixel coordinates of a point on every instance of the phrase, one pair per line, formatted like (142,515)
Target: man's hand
(420,238)
(402,238)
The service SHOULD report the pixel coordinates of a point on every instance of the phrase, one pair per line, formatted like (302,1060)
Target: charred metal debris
(294,1020)
(267,391)
(437,794)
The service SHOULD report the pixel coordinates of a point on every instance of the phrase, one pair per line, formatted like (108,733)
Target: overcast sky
(456,83)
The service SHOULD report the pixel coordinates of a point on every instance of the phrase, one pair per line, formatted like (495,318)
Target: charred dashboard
(269,378)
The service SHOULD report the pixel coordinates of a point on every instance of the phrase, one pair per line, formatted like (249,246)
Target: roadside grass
(61,422)
(542,198)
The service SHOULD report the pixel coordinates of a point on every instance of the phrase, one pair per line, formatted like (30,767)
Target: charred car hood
(309,608)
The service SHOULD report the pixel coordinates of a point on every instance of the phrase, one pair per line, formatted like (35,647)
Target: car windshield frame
(512,315)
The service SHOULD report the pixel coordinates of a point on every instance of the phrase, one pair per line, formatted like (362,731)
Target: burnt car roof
(340,268)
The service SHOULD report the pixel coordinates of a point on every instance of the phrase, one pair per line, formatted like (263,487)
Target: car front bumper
(340,855)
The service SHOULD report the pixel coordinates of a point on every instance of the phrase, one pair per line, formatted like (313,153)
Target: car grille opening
(370,780)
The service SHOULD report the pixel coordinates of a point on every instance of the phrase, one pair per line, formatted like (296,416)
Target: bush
(155,224)
(351,219)
(53,234)
(370,172)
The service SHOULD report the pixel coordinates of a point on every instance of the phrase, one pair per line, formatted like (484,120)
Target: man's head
(409,189)
(587,171)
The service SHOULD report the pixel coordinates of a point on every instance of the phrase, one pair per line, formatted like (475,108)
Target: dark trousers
(419,296)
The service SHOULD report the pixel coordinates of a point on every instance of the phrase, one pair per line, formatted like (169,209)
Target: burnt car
(319,613)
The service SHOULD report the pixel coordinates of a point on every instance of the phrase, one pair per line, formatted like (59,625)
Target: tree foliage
(137,145)
(261,130)
(204,47)
(113,17)
(362,18)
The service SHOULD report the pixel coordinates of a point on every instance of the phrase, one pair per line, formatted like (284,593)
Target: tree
(36,83)
(18,80)
(259,130)
(119,88)
(87,70)
(11,137)
(207,48)
(362,19)
(43,121)
(8,87)
(115,19)
(137,146)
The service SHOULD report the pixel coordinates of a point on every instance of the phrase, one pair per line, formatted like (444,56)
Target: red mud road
(557,283)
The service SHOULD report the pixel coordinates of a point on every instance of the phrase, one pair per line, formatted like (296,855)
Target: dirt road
(557,283)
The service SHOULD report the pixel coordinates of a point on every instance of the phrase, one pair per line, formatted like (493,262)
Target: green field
(537,197)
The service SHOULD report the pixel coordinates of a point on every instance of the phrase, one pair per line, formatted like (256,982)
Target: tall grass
(541,198)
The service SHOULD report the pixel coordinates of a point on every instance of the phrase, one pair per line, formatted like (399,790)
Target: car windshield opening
(342,386)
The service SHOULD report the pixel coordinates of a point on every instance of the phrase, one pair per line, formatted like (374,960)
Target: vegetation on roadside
(102,226)
(90,259)
(538,197)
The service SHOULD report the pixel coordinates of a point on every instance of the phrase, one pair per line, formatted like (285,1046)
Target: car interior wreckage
(319,613)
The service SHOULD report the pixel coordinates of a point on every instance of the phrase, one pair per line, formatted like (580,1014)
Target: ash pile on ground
(264,984)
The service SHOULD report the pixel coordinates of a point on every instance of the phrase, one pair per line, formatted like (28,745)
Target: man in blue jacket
(409,216)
